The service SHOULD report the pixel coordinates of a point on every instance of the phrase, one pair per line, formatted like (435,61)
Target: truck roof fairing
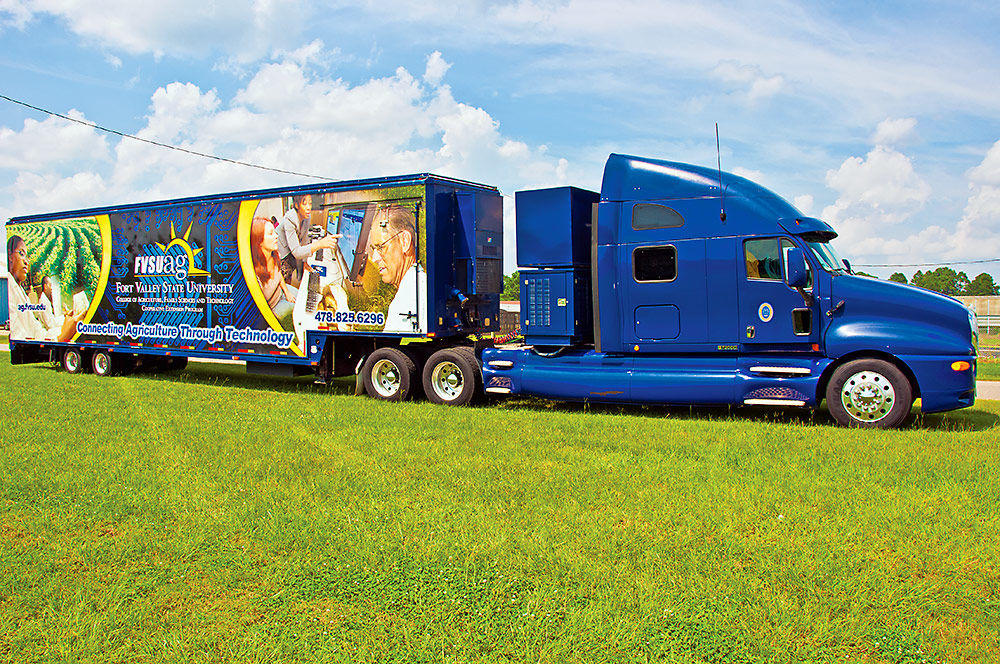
(629,178)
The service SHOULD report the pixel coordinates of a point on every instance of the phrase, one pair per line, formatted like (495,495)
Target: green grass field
(212,516)
(988,369)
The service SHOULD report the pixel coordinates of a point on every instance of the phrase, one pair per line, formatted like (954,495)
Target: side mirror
(796,275)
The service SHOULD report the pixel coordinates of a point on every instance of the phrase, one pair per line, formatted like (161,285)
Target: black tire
(102,363)
(389,374)
(452,376)
(869,394)
(72,361)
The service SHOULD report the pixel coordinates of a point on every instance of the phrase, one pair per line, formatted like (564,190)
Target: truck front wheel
(389,374)
(451,376)
(869,394)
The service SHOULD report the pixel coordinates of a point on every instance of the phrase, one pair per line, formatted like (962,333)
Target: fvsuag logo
(174,259)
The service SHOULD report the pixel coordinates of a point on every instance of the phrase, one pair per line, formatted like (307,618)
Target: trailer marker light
(815,348)
(960,366)
(636,347)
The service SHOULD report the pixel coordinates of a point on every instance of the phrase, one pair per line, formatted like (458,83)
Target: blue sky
(882,119)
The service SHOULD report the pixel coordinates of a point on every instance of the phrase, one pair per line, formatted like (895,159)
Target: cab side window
(763,259)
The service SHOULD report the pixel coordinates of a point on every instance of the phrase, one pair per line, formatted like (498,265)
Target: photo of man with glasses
(392,247)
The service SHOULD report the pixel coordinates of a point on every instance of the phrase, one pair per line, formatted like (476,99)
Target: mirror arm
(806,297)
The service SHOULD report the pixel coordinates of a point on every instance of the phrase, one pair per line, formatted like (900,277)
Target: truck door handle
(751,331)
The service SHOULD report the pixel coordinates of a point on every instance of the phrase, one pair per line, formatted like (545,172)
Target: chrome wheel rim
(386,378)
(447,381)
(101,364)
(72,361)
(868,396)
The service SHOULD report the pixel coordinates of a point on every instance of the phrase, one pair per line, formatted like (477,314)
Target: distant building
(510,316)
(987,308)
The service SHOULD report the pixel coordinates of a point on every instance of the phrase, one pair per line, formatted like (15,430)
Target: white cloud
(750,174)
(15,13)
(863,214)
(284,117)
(893,131)
(880,189)
(313,52)
(804,203)
(977,234)
(50,141)
(757,85)
(244,31)
(437,67)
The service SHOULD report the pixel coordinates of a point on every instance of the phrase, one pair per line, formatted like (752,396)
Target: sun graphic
(182,242)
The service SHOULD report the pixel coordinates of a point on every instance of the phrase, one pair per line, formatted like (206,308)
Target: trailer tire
(452,377)
(72,361)
(102,363)
(389,374)
(869,394)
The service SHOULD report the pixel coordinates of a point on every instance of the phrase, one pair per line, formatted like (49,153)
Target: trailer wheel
(452,376)
(102,363)
(389,374)
(869,394)
(72,361)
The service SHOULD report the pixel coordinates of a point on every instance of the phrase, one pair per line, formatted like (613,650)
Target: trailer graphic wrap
(347,261)
(58,269)
(234,277)
(175,282)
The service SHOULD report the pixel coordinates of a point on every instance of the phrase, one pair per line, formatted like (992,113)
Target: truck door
(771,313)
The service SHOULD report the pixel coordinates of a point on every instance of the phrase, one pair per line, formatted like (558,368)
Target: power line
(159,144)
(987,260)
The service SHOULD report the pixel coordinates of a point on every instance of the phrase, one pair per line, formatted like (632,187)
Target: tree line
(946,280)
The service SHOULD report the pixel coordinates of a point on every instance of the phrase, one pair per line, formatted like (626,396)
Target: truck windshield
(827,257)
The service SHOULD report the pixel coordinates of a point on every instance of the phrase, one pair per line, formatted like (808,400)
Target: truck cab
(692,286)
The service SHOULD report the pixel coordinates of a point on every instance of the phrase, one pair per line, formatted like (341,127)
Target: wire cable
(162,145)
(987,260)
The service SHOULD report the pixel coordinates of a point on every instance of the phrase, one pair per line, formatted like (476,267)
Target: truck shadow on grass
(223,375)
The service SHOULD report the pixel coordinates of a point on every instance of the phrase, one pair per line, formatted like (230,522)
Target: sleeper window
(653,215)
(654,263)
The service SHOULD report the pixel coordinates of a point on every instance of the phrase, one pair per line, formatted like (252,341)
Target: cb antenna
(722,192)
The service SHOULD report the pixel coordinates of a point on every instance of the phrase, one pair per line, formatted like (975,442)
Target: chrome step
(773,402)
(791,371)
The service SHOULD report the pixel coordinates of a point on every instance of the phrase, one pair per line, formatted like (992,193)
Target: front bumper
(941,387)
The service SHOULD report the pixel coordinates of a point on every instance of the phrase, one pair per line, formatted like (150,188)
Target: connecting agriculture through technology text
(210,335)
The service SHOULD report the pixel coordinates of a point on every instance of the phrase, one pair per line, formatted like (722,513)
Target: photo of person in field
(32,320)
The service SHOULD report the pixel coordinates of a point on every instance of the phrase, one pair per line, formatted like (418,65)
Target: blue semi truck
(676,284)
